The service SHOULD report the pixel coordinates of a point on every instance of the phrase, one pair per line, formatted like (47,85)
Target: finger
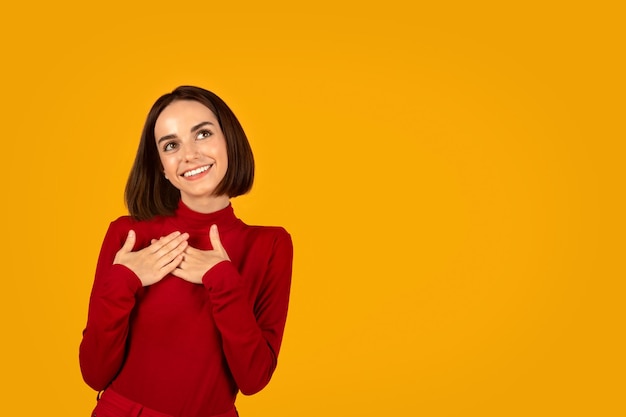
(170,242)
(156,245)
(214,235)
(172,266)
(191,252)
(153,241)
(129,244)
(174,256)
(180,273)
(217,242)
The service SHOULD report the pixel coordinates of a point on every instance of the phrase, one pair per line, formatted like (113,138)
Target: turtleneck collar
(225,218)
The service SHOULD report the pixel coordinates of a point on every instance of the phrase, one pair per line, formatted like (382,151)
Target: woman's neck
(207,205)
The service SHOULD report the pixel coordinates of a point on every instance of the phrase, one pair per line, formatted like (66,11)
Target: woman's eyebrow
(199,125)
(167,137)
(193,129)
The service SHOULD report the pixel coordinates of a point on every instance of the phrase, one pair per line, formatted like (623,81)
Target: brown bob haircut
(149,194)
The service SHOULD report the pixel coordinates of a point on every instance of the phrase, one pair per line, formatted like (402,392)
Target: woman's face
(192,149)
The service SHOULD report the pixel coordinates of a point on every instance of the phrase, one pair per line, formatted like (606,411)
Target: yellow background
(452,177)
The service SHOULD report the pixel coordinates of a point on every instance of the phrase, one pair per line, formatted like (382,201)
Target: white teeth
(196,171)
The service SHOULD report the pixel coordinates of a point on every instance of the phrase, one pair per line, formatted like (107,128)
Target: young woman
(189,303)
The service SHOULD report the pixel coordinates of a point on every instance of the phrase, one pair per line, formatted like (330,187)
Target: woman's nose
(191,152)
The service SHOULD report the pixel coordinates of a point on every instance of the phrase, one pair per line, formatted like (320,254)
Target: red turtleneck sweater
(186,349)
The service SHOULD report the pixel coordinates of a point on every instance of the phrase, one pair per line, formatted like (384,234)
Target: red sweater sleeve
(112,299)
(252,334)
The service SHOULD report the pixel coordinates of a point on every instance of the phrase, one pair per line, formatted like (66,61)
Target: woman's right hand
(154,262)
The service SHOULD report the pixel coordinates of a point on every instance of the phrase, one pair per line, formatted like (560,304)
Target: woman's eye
(169,146)
(203,134)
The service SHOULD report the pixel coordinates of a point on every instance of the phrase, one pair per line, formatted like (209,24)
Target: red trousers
(112,404)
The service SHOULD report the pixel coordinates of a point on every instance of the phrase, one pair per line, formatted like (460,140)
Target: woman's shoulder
(122,221)
(274,231)
(126,223)
(270,236)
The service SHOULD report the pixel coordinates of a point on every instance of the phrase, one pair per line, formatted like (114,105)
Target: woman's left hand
(198,262)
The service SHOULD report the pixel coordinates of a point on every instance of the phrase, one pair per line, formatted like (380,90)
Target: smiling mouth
(196,171)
